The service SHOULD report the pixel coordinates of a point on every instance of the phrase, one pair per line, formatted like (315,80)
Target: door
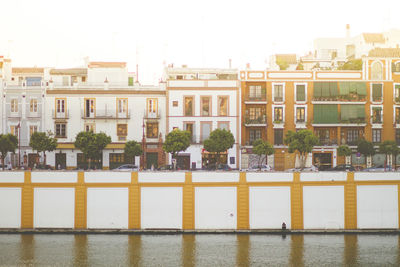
(183,162)
(32,159)
(61,161)
(322,160)
(89,108)
(122,105)
(151,159)
(60,108)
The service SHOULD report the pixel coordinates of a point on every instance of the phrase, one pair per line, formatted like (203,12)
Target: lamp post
(19,143)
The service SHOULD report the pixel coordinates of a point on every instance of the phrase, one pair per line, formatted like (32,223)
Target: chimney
(347,31)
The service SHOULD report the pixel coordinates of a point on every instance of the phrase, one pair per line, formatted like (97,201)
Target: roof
(374,38)
(27,70)
(385,52)
(74,71)
(288,58)
(99,64)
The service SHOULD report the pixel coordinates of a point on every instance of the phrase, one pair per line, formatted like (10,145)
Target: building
(200,101)
(340,107)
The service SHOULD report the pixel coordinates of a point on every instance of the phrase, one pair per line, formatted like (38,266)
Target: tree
(300,66)
(345,151)
(8,143)
(92,144)
(354,64)
(283,65)
(388,147)
(262,148)
(176,141)
(366,148)
(42,142)
(220,140)
(133,149)
(303,142)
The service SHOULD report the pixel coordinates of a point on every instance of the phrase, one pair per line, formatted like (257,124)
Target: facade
(200,101)
(340,107)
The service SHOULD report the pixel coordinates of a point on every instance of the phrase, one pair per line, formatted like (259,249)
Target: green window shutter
(360,111)
(317,89)
(333,88)
(344,88)
(345,112)
(130,81)
(376,90)
(361,88)
(300,92)
(352,87)
(348,112)
(325,92)
(325,113)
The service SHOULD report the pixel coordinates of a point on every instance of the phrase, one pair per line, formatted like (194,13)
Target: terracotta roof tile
(73,71)
(385,52)
(27,70)
(374,38)
(107,64)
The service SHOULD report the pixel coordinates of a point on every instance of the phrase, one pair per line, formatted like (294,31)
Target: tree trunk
(89,163)
(2,161)
(44,158)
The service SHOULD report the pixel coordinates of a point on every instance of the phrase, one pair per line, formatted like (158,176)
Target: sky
(207,33)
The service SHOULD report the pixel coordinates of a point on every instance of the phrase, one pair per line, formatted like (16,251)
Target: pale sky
(207,33)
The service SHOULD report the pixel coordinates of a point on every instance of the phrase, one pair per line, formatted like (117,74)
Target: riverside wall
(199,200)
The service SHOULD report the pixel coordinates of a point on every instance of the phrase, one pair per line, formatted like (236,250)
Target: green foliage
(300,66)
(388,147)
(220,140)
(92,144)
(262,148)
(176,141)
(283,65)
(302,141)
(365,147)
(344,150)
(8,143)
(133,149)
(354,64)
(42,142)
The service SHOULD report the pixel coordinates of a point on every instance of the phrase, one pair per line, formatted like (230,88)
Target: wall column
(296,199)
(350,203)
(80,203)
(188,203)
(27,202)
(243,203)
(134,202)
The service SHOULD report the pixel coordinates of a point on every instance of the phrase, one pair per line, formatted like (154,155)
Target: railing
(278,99)
(106,114)
(33,114)
(353,120)
(376,120)
(152,115)
(328,142)
(60,115)
(341,98)
(92,85)
(262,119)
(255,98)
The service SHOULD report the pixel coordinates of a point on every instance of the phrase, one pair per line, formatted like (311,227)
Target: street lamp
(19,143)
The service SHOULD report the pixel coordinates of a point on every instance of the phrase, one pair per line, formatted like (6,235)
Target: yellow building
(340,107)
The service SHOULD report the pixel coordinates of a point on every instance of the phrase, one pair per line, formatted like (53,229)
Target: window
(189,126)
(32,129)
(352,136)
(65,80)
(205,128)
(223,125)
(300,92)
(122,131)
(205,108)
(377,92)
(278,92)
(14,105)
(376,135)
(396,67)
(122,106)
(326,113)
(352,113)
(278,136)
(89,127)
(254,113)
(83,79)
(397,92)
(33,106)
(222,106)
(60,105)
(188,108)
(152,129)
(278,114)
(60,130)
(397,115)
(300,114)
(152,105)
(397,137)
(376,71)
(89,108)
(325,91)
(376,114)
(14,129)
(256,92)
(174,103)
(254,135)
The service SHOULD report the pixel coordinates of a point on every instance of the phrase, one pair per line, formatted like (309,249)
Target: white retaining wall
(10,207)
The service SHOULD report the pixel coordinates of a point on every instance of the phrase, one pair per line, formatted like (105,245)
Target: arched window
(376,71)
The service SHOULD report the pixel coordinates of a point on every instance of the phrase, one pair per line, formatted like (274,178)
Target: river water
(199,250)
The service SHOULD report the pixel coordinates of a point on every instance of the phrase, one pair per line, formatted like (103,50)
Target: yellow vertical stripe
(296,199)
(243,203)
(27,202)
(134,202)
(188,203)
(350,203)
(80,202)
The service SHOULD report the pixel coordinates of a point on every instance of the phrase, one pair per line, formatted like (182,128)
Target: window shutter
(300,92)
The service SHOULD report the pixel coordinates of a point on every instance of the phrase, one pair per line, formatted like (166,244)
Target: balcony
(350,98)
(260,120)
(328,142)
(106,114)
(152,115)
(60,115)
(250,99)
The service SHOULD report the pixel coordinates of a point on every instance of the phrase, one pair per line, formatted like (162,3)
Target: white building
(200,101)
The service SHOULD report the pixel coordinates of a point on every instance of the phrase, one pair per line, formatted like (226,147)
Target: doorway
(151,159)
(322,160)
(61,161)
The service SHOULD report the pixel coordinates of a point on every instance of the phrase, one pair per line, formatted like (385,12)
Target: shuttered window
(325,89)
(350,112)
(325,113)
(377,92)
(359,88)
(300,92)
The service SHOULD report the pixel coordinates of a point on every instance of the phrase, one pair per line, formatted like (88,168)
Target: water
(199,250)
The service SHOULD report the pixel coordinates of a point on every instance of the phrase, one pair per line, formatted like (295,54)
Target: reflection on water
(199,250)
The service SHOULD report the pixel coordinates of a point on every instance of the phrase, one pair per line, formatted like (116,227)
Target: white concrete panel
(11,177)
(269,207)
(289,74)
(339,75)
(377,206)
(370,176)
(54,208)
(54,177)
(161,207)
(10,207)
(323,176)
(161,177)
(107,177)
(323,207)
(186,83)
(205,177)
(215,208)
(107,208)
(269,177)
(222,83)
